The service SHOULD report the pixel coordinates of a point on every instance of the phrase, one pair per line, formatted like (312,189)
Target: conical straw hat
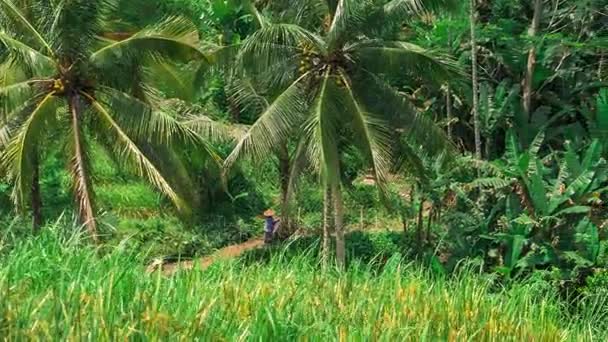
(269,213)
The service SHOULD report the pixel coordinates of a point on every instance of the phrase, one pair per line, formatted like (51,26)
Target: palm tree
(334,93)
(69,80)
(474,79)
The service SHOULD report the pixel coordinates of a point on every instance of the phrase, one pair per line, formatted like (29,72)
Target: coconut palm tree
(69,77)
(334,91)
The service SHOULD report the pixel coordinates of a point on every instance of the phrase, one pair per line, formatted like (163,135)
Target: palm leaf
(17,156)
(174,37)
(392,58)
(273,126)
(321,132)
(25,56)
(378,97)
(347,16)
(373,137)
(133,153)
(14,17)
(273,44)
(402,9)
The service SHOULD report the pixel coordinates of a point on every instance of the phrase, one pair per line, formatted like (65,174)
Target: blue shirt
(269,225)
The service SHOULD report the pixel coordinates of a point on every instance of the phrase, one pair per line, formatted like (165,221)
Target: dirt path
(224,253)
(170,267)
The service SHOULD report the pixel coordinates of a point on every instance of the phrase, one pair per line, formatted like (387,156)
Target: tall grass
(55,288)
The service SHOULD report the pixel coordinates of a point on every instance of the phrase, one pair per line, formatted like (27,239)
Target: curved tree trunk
(284,173)
(326,223)
(82,190)
(475,80)
(36,194)
(531,67)
(339,226)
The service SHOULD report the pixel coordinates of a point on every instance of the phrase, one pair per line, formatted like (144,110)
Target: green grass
(53,287)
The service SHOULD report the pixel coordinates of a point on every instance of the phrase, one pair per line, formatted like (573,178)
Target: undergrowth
(57,287)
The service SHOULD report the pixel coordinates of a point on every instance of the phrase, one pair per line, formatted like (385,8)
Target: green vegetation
(439,167)
(53,288)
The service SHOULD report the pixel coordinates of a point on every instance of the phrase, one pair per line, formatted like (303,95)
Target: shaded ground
(224,253)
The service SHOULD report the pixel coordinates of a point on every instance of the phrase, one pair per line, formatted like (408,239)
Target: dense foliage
(471,132)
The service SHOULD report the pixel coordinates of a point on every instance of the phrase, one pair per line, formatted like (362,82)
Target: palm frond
(404,9)
(210,129)
(409,160)
(372,135)
(76,25)
(162,121)
(16,157)
(273,44)
(174,37)
(258,18)
(379,97)
(273,126)
(399,58)
(245,95)
(133,154)
(299,163)
(173,80)
(13,20)
(321,132)
(14,95)
(25,56)
(347,17)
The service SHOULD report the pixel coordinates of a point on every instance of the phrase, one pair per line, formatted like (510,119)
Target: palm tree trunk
(284,171)
(339,228)
(80,174)
(475,80)
(36,195)
(448,105)
(420,223)
(326,223)
(488,147)
(529,77)
(429,224)
(600,68)
(404,221)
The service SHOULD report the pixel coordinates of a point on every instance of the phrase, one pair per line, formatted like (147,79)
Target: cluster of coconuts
(58,86)
(311,60)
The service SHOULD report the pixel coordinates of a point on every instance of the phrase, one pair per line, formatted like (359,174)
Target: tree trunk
(429,225)
(529,77)
(475,80)
(36,194)
(600,68)
(448,97)
(448,105)
(284,171)
(326,223)
(404,222)
(339,228)
(488,147)
(420,223)
(80,172)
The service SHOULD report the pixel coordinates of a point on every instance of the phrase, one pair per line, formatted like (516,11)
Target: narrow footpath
(228,252)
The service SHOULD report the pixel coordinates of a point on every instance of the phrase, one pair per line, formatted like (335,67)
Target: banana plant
(597,119)
(496,106)
(549,214)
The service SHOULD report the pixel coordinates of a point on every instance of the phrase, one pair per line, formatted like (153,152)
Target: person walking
(270,224)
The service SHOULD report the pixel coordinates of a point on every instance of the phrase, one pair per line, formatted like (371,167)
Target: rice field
(57,289)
